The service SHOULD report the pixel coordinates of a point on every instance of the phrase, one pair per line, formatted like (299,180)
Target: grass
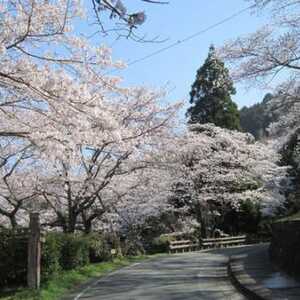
(65,281)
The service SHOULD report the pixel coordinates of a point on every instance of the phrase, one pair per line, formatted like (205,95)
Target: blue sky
(178,66)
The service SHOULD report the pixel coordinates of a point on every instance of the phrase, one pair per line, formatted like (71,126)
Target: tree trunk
(201,220)
(13,222)
(87,226)
(72,220)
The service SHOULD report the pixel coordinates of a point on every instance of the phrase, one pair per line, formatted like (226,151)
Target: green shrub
(51,255)
(99,249)
(132,247)
(161,243)
(13,254)
(60,251)
(75,251)
(68,251)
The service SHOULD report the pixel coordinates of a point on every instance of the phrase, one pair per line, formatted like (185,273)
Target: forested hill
(256,118)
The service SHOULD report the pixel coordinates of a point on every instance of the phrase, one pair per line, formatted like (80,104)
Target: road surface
(188,276)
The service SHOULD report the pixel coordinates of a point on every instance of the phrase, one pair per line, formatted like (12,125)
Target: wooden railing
(223,242)
(182,246)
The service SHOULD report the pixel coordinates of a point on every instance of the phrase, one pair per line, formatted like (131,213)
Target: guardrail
(182,246)
(223,242)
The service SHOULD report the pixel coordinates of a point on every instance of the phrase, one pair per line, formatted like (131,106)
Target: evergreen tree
(211,95)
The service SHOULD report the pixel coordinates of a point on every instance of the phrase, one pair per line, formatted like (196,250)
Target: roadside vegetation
(65,281)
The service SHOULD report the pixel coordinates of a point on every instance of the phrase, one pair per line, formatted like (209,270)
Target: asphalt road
(188,276)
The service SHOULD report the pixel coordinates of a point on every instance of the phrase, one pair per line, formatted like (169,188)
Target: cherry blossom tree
(133,200)
(80,174)
(55,95)
(17,182)
(53,87)
(272,49)
(271,52)
(218,169)
(38,78)
(286,107)
(85,146)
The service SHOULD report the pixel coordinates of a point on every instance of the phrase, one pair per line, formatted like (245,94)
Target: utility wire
(190,37)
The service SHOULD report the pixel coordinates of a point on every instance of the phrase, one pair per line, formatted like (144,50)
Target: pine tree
(211,95)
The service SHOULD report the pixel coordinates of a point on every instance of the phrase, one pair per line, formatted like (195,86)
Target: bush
(13,254)
(75,251)
(60,251)
(51,253)
(161,243)
(132,247)
(68,251)
(99,249)
(244,220)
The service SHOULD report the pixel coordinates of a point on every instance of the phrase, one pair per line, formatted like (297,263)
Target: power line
(190,37)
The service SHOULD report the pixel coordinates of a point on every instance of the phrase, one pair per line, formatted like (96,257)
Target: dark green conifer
(211,95)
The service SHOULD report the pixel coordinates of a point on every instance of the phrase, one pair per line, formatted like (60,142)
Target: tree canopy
(88,152)
(210,95)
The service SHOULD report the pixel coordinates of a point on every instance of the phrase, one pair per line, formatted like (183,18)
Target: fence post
(34,252)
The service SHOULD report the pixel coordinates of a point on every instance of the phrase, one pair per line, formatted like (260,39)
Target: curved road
(188,276)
